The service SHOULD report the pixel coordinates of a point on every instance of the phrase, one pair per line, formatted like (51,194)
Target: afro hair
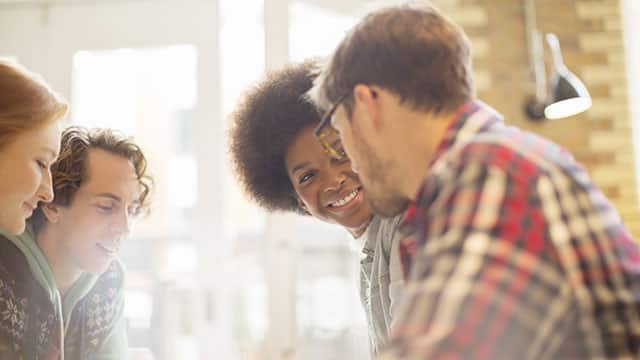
(264,123)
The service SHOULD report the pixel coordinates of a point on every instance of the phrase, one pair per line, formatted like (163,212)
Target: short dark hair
(69,171)
(264,123)
(412,50)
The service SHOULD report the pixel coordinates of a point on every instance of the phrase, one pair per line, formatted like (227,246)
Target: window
(149,94)
(330,318)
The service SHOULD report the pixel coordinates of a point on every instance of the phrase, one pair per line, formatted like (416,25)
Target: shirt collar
(470,119)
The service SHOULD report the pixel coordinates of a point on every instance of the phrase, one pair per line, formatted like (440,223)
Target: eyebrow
(116,198)
(299,167)
(110,196)
(50,151)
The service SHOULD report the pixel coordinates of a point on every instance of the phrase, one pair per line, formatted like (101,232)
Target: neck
(64,273)
(358,231)
(426,133)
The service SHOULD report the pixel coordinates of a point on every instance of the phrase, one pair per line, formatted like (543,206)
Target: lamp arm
(536,51)
(556,53)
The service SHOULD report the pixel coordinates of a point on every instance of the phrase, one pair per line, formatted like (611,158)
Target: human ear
(51,212)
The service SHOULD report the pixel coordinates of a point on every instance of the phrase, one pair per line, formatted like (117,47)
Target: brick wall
(590,33)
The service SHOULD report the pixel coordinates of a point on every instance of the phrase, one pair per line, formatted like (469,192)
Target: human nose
(45,190)
(337,182)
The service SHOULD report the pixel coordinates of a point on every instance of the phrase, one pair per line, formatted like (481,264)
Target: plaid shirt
(514,254)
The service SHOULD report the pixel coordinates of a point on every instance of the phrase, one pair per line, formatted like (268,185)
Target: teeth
(345,200)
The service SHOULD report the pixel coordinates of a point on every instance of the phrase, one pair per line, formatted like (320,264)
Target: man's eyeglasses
(328,136)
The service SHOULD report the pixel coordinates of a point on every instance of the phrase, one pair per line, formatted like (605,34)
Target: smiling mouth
(345,200)
(111,251)
(30,208)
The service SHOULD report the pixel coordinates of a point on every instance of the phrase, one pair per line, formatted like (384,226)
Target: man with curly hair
(61,283)
(282,167)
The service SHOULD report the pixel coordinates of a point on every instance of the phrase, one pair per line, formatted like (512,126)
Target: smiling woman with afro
(282,167)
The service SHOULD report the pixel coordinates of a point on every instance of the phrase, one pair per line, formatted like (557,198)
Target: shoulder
(517,154)
(388,232)
(13,264)
(389,225)
(29,317)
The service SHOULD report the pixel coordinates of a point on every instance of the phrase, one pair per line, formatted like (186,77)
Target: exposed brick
(577,58)
(604,41)
(590,158)
(613,24)
(611,191)
(470,16)
(446,4)
(590,10)
(600,91)
(612,176)
(610,141)
(616,58)
(625,158)
(482,79)
(628,209)
(605,124)
(608,107)
(623,125)
(480,47)
(592,45)
(619,91)
(594,75)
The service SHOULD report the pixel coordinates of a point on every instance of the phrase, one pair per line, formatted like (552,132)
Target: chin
(98,268)
(358,220)
(15,228)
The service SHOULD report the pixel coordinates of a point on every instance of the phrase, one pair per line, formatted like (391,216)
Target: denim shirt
(381,278)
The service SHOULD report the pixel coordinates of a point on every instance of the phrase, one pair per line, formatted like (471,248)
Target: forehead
(110,173)
(304,147)
(42,138)
(339,116)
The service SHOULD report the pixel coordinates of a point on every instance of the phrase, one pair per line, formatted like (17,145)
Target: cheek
(81,220)
(28,174)
(349,146)
(35,178)
(345,137)
(85,233)
(310,198)
(20,182)
(306,196)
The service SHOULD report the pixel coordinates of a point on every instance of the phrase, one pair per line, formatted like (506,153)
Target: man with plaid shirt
(511,251)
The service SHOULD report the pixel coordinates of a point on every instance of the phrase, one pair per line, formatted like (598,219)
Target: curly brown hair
(264,123)
(69,171)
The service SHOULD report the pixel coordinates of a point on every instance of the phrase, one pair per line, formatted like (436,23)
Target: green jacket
(30,308)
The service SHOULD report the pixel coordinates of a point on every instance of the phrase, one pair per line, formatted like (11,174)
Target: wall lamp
(566,94)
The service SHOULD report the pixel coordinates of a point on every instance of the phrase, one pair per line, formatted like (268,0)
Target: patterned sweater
(30,309)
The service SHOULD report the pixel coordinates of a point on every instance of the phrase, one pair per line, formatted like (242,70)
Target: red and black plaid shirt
(513,253)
